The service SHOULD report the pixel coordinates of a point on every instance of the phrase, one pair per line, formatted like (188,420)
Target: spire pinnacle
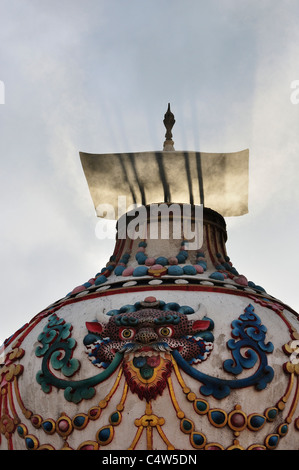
(169,122)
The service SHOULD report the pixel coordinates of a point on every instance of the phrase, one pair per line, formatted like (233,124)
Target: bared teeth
(151,353)
(131,355)
(143,353)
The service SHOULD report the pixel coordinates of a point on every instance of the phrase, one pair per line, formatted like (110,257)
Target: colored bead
(36,420)
(141,257)
(140,271)
(197,440)
(283,429)
(78,289)
(115,418)
(157,266)
(22,430)
(201,406)
(187,426)
(119,270)
(94,412)
(63,425)
(175,271)
(271,413)
(146,372)
(181,258)
(87,447)
(189,270)
(272,441)
(105,435)
(256,422)
(218,417)
(29,443)
(217,276)
(150,299)
(199,269)
(241,280)
(162,260)
(238,420)
(48,426)
(203,264)
(153,361)
(80,421)
(139,361)
(128,271)
(100,280)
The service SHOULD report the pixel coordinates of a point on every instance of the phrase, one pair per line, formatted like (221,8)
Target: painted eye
(127,333)
(165,331)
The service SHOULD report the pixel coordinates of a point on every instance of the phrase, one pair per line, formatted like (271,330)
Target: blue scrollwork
(248,349)
(249,335)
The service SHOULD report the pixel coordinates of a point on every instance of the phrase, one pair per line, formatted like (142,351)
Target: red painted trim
(217,250)
(223,245)
(185,287)
(142,288)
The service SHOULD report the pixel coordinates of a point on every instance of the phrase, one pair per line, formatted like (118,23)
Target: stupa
(168,346)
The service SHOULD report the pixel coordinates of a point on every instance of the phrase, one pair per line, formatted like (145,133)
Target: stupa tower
(168,346)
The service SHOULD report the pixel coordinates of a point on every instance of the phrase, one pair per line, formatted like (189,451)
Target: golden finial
(168,123)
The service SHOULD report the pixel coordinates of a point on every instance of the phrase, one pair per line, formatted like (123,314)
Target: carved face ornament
(146,338)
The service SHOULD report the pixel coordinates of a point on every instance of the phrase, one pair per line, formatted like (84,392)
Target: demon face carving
(146,337)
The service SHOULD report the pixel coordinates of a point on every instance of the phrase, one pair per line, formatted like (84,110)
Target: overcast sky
(96,76)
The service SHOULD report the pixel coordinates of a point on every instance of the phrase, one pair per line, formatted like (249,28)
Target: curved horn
(199,314)
(103,317)
(199,320)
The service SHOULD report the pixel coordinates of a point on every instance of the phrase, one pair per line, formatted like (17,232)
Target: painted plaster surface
(157,361)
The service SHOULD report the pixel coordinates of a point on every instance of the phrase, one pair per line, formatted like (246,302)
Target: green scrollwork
(57,350)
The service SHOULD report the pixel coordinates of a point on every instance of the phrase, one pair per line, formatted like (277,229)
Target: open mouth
(146,356)
(146,350)
(147,369)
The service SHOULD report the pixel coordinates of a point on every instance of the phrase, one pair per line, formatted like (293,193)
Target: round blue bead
(79,421)
(119,270)
(162,260)
(189,270)
(181,258)
(100,280)
(104,434)
(140,257)
(217,276)
(47,425)
(140,271)
(175,270)
(29,443)
(87,284)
